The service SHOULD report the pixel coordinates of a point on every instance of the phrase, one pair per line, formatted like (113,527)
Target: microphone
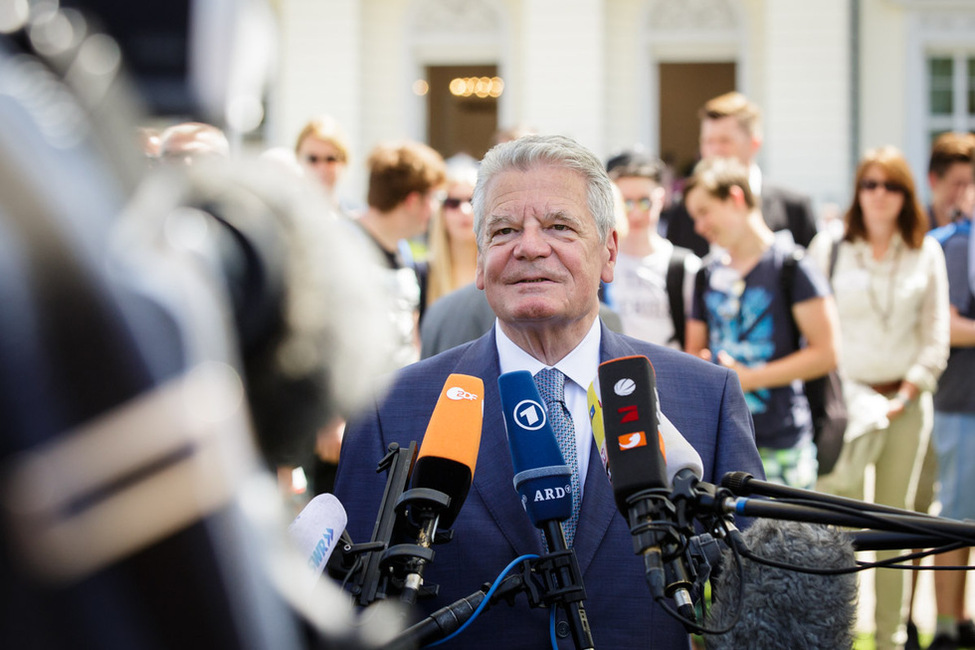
(782,608)
(637,464)
(542,478)
(678,453)
(316,532)
(448,454)
(543,481)
(443,471)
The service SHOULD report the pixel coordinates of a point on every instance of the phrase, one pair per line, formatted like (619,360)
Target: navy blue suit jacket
(705,403)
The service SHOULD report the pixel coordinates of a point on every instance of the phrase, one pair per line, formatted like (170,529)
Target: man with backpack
(654,279)
(744,319)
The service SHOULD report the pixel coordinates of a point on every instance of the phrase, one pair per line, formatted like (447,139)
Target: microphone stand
(661,536)
(382,567)
(550,579)
(562,577)
(904,528)
(744,484)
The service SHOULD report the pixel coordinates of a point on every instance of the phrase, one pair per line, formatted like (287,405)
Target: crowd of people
(540,256)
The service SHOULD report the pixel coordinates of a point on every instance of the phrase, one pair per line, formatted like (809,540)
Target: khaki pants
(897,453)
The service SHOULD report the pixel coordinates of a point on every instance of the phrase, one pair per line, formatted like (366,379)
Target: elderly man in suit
(544,224)
(731,127)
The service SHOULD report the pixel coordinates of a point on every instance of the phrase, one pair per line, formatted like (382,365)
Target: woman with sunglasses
(323,153)
(453,252)
(891,289)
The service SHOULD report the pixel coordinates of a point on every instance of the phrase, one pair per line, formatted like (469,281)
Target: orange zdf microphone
(444,468)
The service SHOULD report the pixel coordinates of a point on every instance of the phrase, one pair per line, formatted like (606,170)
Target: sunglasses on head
(314,160)
(452,202)
(870,185)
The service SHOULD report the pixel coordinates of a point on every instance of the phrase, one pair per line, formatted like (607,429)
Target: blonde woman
(453,251)
(322,151)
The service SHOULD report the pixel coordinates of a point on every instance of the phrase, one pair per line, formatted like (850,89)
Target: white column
(806,104)
(319,68)
(563,69)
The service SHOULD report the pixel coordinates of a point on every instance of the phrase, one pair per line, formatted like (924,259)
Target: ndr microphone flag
(448,455)
(634,447)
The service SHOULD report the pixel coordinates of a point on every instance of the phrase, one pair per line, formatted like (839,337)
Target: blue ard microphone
(544,482)
(542,478)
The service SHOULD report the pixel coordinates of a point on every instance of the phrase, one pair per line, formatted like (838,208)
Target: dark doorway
(684,88)
(462,108)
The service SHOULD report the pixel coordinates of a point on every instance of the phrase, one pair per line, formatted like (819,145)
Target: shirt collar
(755,179)
(579,365)
(864,248)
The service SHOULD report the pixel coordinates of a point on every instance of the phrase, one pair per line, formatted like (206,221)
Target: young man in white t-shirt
(654,279)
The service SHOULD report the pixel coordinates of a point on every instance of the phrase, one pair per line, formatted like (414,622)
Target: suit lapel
(494,472)
(598,503)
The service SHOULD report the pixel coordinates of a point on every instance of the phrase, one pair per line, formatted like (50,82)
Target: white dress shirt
(579,367)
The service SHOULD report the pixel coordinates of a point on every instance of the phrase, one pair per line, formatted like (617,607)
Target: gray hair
(530,151)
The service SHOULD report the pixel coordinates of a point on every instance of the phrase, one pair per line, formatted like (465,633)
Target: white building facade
(833,77)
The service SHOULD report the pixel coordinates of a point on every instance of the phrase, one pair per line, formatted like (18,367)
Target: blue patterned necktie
(551,386)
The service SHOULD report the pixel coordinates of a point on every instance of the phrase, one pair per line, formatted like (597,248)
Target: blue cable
(551,628)
(487,600)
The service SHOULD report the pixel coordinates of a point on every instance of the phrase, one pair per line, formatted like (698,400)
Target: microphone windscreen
(448,454)
(542,478)
(679,453)
(316,530)
(633,443)
(783,608)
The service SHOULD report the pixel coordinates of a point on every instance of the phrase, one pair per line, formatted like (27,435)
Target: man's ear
(412,199)
(479,273)
(756,144)
(737,195)
(613,248)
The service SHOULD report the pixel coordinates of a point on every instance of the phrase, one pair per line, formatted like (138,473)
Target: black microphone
(638,470)
(781,608)
(544,482)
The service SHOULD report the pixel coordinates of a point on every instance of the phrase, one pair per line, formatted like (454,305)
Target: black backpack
(825,394)
(675,291)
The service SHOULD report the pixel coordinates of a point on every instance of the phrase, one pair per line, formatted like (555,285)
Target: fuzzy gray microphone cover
(784,608)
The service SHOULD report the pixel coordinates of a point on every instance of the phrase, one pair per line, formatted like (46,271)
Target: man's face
(949,191)
(542,258)
(420,207)
(725,138)
(642,199)
(718,221)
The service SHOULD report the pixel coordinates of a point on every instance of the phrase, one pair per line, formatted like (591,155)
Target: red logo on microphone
(630,413)
(633,440)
